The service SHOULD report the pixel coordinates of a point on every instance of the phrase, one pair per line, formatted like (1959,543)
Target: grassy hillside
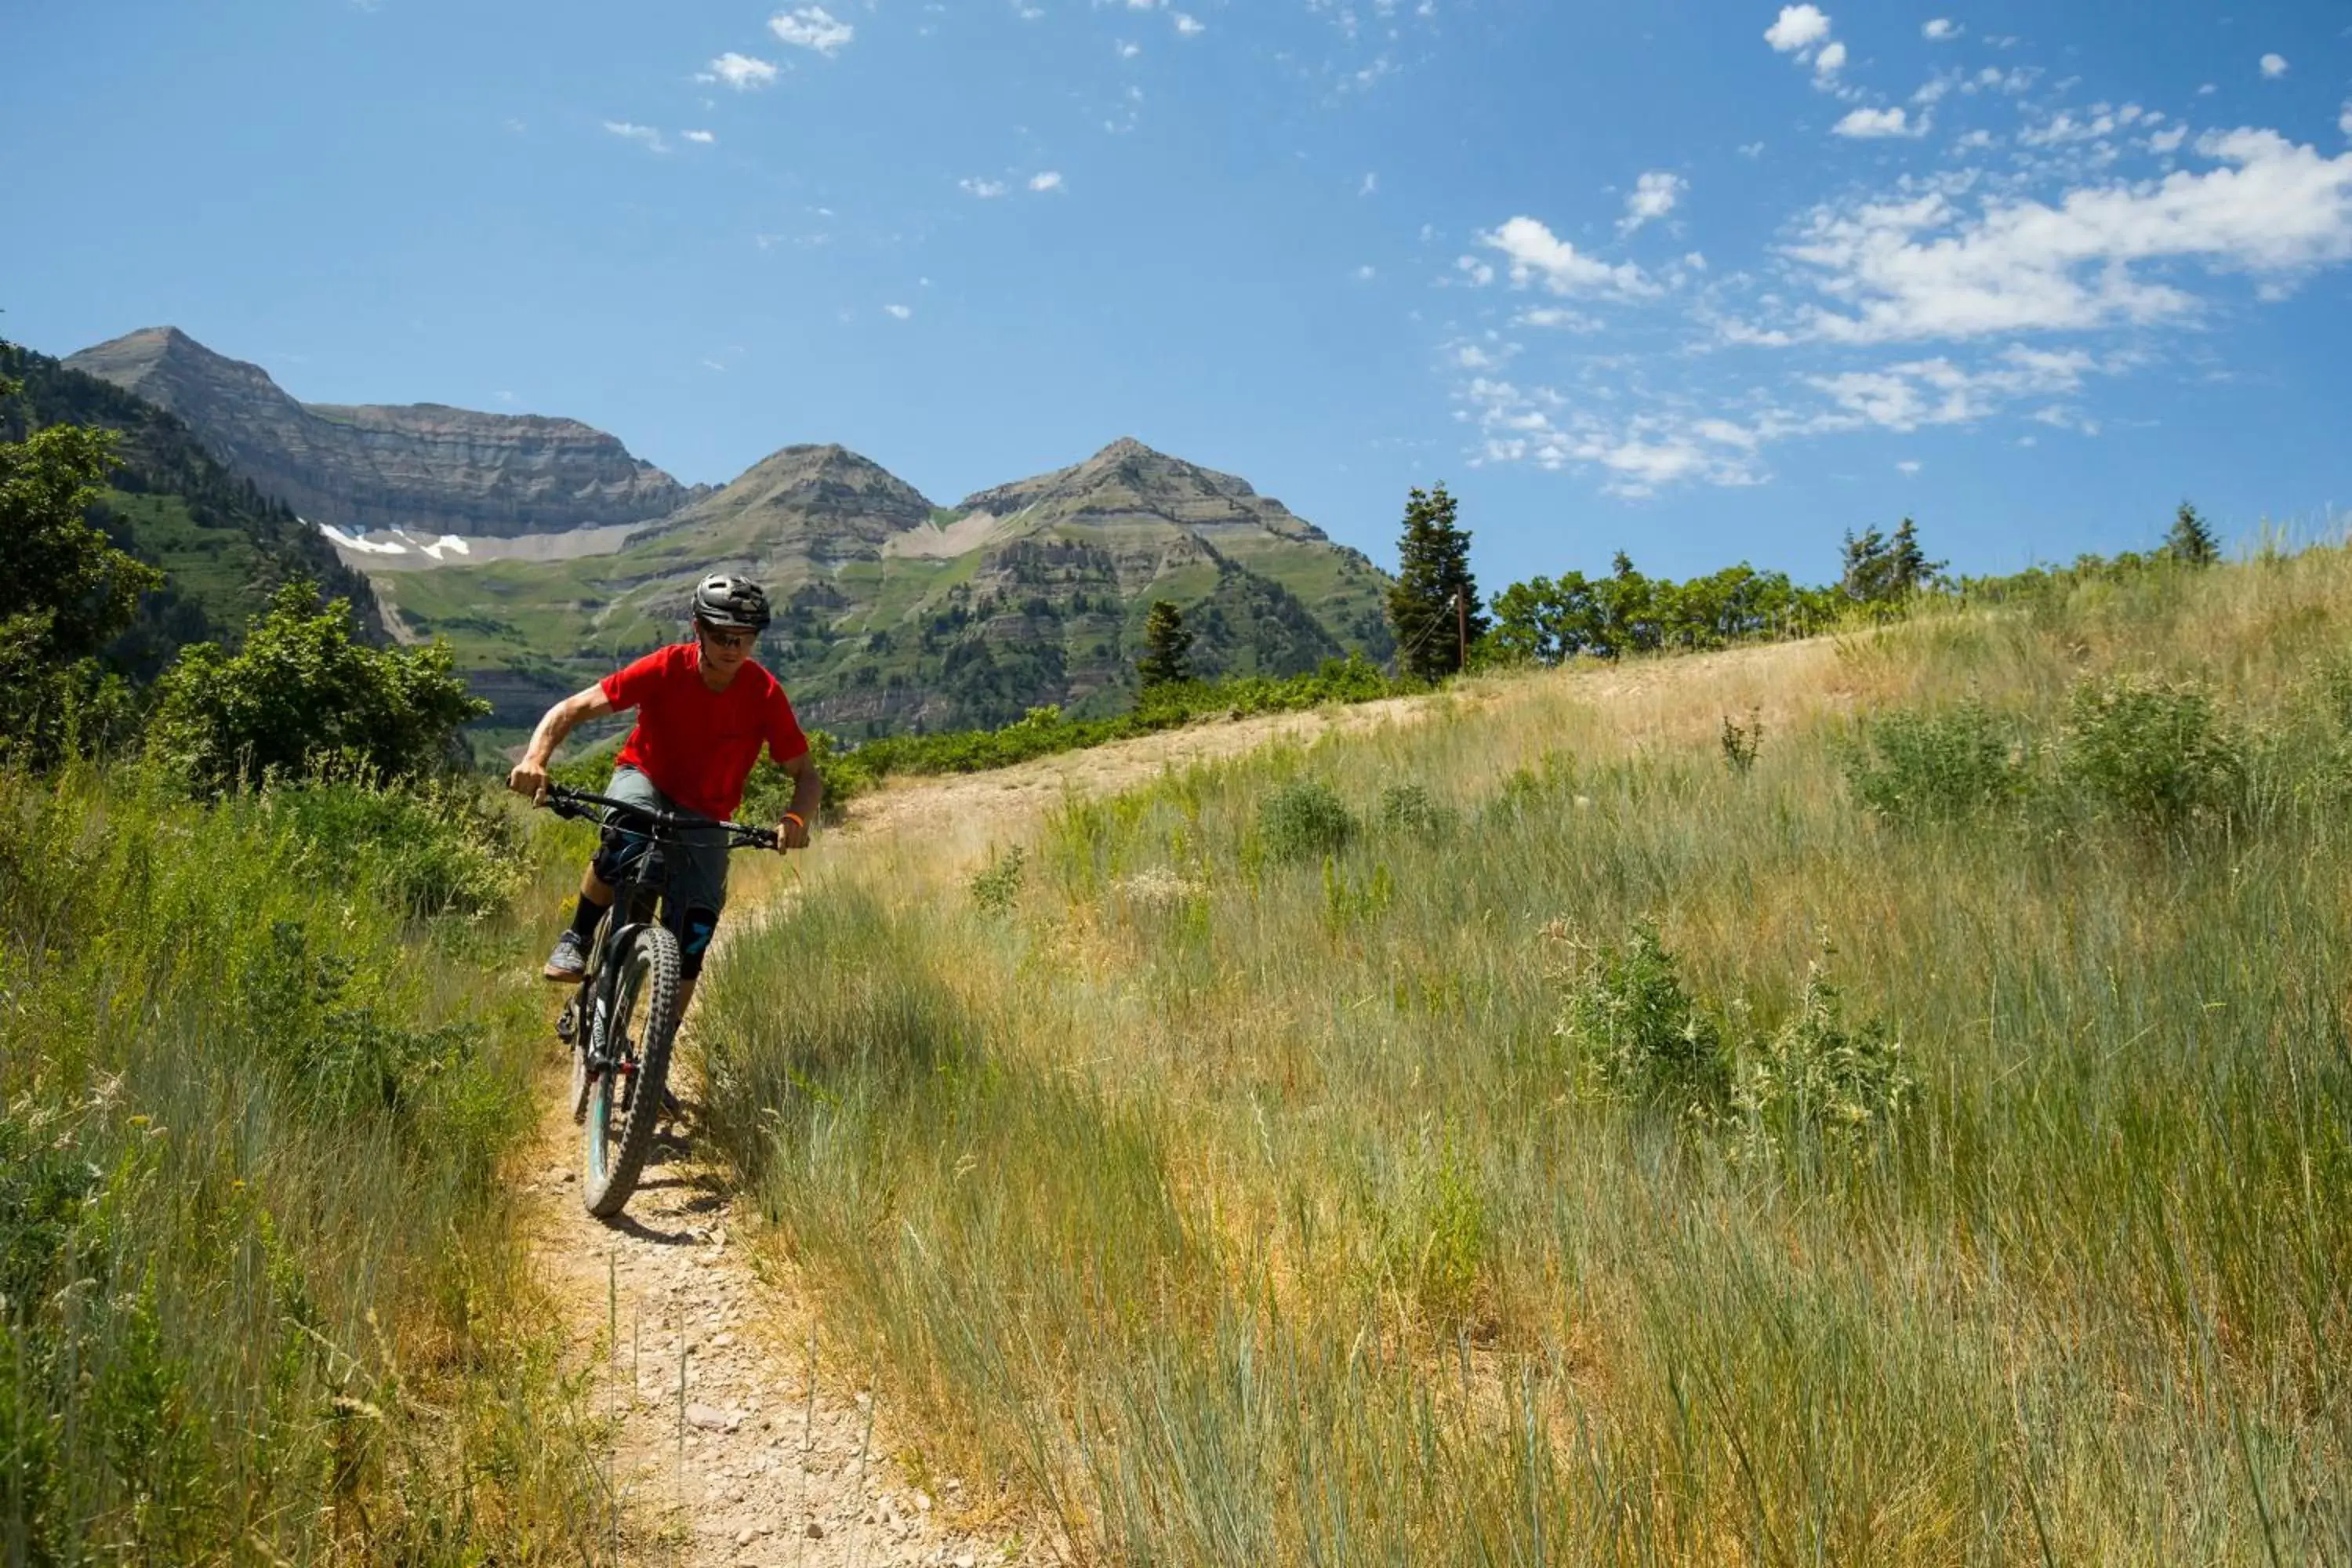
(1885,1100)
(261,1295)
(224,547)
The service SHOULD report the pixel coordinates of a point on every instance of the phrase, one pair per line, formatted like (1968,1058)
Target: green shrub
(1407,809)
(1304,819)
(437,848)
(1636,1032)
(1741,741)
(2154,752)
(1818,1081)
(997,887)
(1914,767)
(301,698)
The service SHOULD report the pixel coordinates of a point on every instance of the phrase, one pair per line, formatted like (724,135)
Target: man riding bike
(704,709)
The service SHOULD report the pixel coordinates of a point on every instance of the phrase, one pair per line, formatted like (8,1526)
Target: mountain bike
(622,1017)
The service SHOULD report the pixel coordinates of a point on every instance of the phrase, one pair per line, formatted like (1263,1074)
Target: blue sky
(1699,279)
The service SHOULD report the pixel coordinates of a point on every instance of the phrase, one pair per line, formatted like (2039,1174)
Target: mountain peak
(426,467)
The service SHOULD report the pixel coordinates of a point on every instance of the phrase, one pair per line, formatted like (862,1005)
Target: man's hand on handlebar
(530,779)
(791,832)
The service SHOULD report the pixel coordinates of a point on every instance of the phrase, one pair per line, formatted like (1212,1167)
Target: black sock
(585,918)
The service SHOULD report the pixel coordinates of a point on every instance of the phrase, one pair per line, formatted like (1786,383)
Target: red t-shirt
(698,745)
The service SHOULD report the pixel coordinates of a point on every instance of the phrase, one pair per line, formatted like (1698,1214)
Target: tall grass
(261,1297)
(1254,1203)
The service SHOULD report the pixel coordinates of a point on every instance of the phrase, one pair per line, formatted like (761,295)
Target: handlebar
(580,804)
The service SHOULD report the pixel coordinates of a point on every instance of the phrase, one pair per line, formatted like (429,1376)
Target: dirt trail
(741,1446)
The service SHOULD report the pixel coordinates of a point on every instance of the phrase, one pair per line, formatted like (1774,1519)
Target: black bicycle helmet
(720,600)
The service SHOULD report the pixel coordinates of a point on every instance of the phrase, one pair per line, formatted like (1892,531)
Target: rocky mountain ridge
(893,613)
(427,467)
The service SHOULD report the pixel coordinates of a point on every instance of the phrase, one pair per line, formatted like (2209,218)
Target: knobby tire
(646,996)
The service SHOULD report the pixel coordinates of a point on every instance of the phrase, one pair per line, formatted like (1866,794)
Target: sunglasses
(731,640)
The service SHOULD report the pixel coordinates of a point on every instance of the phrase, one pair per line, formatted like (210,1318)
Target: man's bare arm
(808,794)
(529,776)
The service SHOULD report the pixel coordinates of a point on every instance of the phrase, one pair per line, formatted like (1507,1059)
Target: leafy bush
(2153,751)
(1818,1081)
(301,698)
(1407,809)
(997,887)
(1912,767)
(1304,819)
(1637,1033)
(437,846)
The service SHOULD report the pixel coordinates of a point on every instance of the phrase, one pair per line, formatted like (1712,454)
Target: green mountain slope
(224,546)
(895,615)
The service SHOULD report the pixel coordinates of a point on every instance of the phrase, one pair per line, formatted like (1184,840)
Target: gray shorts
(697,859)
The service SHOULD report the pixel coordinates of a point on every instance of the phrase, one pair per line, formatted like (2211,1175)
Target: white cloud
(900,312)
(1049,179)
(1536,255)
(1477,271)
(1366,273)
(1654,195)
(813,28)
(2273,65)
(1128,51)
(1551,318)
(2343,118)
(1189,25)
(1371,187)
(1907,467)
(1914,393)
(1917,267)
(701,138)
(744,73)
(985,190)
(1873,123)
(1751,149)
(644,136)
(1941,30)
(1830,60)
(2167,141)
(1799,29)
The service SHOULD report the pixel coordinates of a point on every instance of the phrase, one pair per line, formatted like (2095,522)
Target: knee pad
(694,938)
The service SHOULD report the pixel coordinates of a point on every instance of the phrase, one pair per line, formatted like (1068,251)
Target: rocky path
(734,1443)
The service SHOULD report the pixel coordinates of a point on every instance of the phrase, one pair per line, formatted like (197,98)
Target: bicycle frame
(640,898)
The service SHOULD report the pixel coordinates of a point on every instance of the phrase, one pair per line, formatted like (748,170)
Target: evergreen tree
(2192,542)
(1434,594)
(1883,570)
(1167,647)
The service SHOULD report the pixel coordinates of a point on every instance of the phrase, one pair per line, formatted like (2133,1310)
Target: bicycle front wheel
(625,1099)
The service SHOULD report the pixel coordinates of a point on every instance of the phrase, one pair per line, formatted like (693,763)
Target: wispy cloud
(1538,255)
(900,312)
(1654,195)
(744,73)
(1865,123)
(701,138)
(1920,266)
(1046,180)
(1942,29)
(986,190)
(813,28)
(2273,67)
(644,136)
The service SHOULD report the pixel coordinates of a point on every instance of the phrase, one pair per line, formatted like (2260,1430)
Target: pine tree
(1167,647)
(2192,542)
(1880,570)
(1436,600)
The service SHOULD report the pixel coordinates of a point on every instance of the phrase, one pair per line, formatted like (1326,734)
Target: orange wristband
(797,820)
